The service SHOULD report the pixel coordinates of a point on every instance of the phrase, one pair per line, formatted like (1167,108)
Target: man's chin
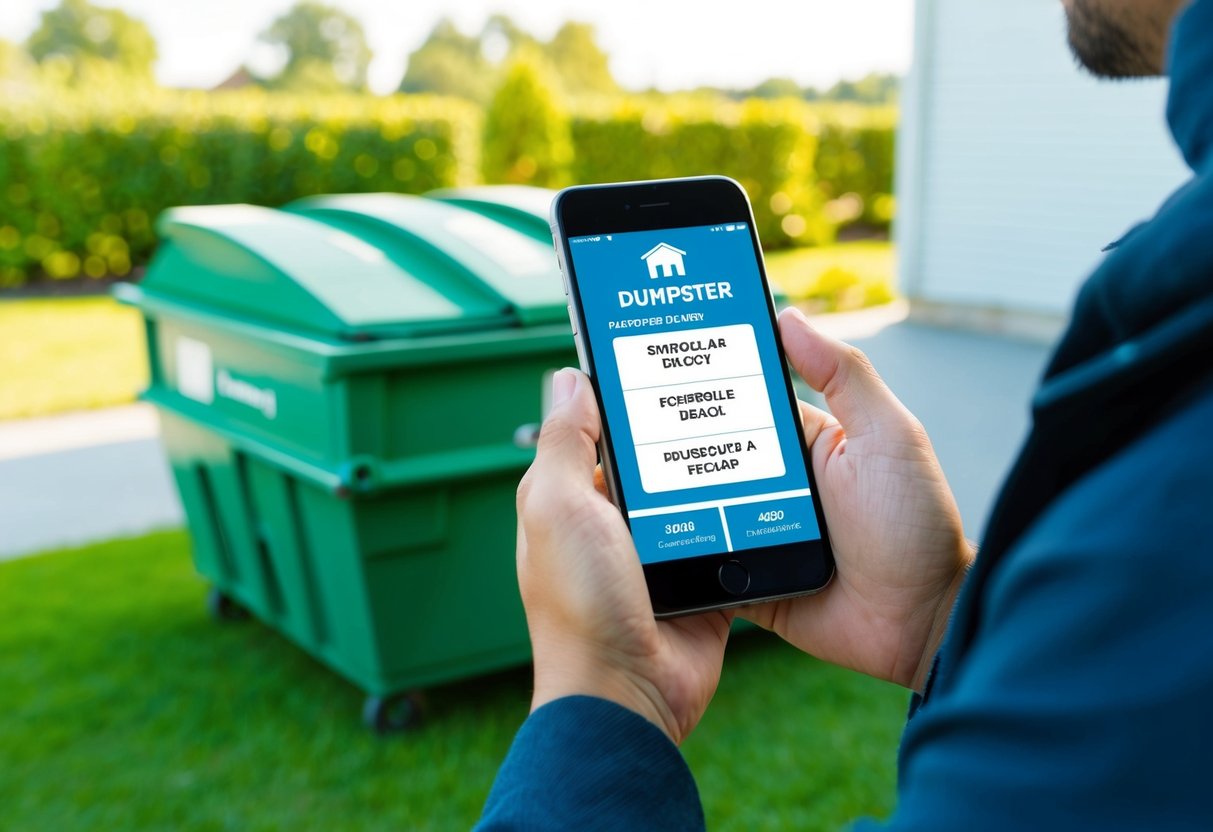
(1114,70)
(1105,48)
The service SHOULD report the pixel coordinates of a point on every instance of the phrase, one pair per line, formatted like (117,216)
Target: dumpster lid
(296,270)
(521,207)
(512,265)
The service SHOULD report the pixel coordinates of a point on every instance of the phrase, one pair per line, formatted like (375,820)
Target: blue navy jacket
(1075,686)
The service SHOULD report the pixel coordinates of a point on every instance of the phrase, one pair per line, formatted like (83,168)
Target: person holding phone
(1060,679)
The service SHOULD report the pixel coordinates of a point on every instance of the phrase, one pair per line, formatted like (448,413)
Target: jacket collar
(1190,65)
(1139,344)
(1163,266)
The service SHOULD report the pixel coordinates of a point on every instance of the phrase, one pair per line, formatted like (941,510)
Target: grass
(63,354)
(836,278)
(125,707)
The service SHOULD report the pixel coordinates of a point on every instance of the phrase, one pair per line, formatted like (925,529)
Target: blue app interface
(707,448)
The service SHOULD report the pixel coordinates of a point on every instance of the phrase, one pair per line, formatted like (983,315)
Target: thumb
(567,451)
(854,391)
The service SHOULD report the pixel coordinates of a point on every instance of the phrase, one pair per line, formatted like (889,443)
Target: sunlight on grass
(125,707)
(836,278)
(65,354)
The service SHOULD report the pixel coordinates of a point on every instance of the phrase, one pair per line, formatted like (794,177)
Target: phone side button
(572,319)
(564,278)
(734,578)
(585,367)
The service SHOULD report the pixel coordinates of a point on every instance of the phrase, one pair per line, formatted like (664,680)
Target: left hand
(587,606)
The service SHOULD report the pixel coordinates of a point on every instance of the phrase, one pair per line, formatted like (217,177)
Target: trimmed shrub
(767,146)
(83,177)
(84,174)
(526,134)
(854,163)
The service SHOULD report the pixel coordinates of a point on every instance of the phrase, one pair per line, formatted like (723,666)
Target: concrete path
(971,393)
(74,479)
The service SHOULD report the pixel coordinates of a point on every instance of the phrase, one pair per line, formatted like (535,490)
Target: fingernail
(795,312)
(563,385)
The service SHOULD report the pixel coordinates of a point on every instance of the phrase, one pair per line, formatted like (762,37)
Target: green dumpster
(520,207)
(348,390)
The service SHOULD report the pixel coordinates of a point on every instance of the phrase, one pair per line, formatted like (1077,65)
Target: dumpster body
(345,389)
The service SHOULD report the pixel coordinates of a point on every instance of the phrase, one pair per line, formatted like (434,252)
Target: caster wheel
(394,714)
(223,607)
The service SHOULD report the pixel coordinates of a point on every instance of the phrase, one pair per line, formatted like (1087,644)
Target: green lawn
(125,707)
(62,354)
(836,278)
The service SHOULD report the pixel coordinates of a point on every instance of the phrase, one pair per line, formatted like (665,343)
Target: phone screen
(706,445)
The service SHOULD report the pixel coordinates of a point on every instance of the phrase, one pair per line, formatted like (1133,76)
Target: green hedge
(808,168)
(855,160)
(82,179)
(83,176)
(769,147)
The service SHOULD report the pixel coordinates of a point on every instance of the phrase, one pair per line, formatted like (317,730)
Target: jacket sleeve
(588,764)
(1083,701)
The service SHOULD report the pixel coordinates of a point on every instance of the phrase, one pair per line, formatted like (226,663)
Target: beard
(1107,48)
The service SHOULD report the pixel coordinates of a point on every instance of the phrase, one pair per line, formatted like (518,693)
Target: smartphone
(701,441)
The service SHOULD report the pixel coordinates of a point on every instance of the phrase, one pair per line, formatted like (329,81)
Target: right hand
(898,541)
(591,621)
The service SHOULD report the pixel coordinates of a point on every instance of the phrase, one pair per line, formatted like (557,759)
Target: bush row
(855,160)
(769,147)
(81,183)
(83,180)
(808,168)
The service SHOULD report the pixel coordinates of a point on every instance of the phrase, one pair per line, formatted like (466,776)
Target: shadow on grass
(127,707)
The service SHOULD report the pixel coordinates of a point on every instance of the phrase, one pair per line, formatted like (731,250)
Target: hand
(587,606)
(898,542)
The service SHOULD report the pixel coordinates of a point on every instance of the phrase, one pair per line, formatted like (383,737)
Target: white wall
(1014,169)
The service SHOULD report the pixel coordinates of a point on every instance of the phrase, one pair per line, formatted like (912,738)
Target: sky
(669,45)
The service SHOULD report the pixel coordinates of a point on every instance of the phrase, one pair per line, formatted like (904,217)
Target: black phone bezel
(688,585)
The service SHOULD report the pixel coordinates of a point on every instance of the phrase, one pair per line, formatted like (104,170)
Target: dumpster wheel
(392,714)
(223,607)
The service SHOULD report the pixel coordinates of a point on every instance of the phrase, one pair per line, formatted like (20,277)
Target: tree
(581,64)
(526,134)
(77,33)
(450,63)
(15,62)
(777,88)
(501,37)
(325,49)
(874,88)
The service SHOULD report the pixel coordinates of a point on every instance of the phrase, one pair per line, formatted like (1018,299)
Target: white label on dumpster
(195,370)
(263,399)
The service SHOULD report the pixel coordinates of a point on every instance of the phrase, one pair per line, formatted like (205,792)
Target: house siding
(1015,169)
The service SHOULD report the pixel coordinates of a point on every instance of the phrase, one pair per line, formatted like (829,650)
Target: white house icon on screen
(665,258)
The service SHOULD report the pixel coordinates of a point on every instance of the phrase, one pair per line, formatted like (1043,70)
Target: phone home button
(734,578)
